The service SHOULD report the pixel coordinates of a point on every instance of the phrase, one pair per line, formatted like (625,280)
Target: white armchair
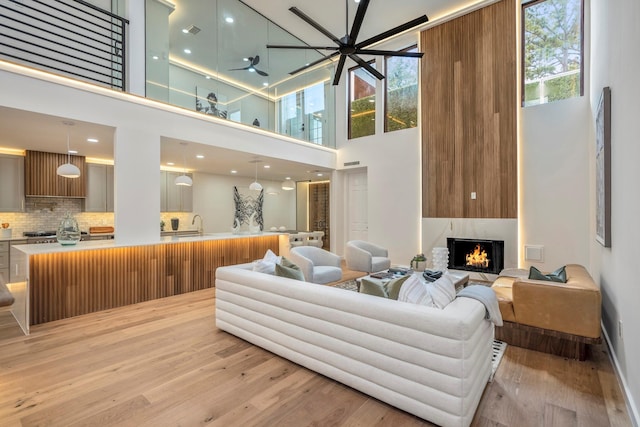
(317,265)
(365,256)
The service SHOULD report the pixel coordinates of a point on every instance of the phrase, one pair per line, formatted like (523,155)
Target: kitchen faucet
(200,229)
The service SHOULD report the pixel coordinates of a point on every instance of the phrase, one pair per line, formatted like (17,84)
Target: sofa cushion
(505,302)
(288,269)
(379,263)
(393,286)
(323,274)
(371,287)
(268,263)
(559,275)
(414,291)
(442,291)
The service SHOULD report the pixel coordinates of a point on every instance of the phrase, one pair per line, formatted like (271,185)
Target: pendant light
(288,185)
(255,185)
(68,170)
(184,179)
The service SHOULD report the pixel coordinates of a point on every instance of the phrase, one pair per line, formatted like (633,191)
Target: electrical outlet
(473,195)
(620,328)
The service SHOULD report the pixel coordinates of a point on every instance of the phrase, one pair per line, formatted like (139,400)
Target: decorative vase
(419,263)
(440,258)
(175,224)
(68,231)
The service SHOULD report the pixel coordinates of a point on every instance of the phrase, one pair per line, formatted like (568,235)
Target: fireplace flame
(478,258)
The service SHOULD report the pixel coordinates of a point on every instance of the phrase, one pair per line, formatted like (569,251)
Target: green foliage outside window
(552,50)
(363,116)
(401,108)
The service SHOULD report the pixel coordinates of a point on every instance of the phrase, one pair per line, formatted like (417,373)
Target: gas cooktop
(39,233)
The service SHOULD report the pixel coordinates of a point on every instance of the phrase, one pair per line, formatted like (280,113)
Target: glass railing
(212,57)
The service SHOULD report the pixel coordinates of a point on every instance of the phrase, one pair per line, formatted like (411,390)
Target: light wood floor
(164,363)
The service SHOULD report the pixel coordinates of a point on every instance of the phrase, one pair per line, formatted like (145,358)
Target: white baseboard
(631,405)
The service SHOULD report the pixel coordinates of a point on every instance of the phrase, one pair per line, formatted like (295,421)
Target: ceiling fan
(254,60)
(347,46)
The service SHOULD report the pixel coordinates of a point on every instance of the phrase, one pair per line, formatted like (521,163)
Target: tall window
(552,51)
(302,113)
(362,102)
(401,102)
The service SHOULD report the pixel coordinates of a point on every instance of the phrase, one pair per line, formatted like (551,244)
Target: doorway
(319,194)
(357,206)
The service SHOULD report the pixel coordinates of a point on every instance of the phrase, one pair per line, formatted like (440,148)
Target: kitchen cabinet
(11,183)
(99,188)
(41,178)
(174,198)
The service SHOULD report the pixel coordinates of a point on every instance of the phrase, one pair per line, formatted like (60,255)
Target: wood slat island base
(67,282)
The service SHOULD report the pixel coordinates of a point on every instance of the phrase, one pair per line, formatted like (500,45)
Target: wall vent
(357,162)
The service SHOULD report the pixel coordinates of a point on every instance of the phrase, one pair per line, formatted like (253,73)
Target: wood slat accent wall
(469,105)
(69,284)
(41,178)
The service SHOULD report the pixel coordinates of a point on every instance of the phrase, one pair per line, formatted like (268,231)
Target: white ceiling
(25,130)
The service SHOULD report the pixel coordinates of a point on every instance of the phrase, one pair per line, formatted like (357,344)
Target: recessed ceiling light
(92,140)
(207,77)
(184,30)
(252,70)
(245,59)
(234,171)
(288,177)
(228,20)
(156,57)
(319,174)
(170,163)
(187,51)
(267,166)
(265,84)
(200,156)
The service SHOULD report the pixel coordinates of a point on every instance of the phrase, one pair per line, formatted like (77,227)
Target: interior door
(358,217)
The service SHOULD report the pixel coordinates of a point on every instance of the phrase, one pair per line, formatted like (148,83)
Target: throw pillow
(414,291)
(393,286)
(370,287)
(268,263)
(288,269)
(442,291)
(560,275)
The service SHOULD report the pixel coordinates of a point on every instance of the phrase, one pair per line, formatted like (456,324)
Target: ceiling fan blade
(357,21)
(316,62)
(389,53)
(255,60)
(262,73)
(278,46)
(314,24)
(377,74)
(237,69)
(339,67)
(392,32)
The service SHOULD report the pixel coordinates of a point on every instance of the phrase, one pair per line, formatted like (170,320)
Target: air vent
(192,29)
(352,163)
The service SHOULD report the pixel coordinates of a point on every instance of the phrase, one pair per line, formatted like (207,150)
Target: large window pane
(552,51)
(362,101)
(401,102)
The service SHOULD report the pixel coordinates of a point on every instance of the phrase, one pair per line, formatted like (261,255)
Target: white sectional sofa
(429,362)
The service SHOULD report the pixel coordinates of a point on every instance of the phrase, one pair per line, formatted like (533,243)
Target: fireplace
(485,256)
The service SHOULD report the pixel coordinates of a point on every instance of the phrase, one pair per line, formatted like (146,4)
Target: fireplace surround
(479,255)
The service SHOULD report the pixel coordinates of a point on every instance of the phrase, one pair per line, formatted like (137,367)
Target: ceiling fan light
(255,186)
(68,170)
(288,185)
(184,180)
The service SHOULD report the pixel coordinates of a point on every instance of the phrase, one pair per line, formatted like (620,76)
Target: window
(551,51)
(401,102)
(302,113)
(362,102)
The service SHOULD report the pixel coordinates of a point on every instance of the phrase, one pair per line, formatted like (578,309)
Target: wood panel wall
(469,105)
(41,178)
(69,284)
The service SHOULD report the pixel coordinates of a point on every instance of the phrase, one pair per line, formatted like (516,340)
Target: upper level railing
(68,37)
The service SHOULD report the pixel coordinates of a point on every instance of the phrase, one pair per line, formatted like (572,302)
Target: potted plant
(419,262)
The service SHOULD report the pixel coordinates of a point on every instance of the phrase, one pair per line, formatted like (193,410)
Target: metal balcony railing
(67,37)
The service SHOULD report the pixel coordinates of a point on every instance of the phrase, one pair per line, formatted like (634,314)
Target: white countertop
(47,248)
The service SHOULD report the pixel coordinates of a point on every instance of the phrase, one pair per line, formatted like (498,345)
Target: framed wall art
(603,169)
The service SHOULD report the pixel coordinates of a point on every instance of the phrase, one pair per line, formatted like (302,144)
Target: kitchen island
(51,282)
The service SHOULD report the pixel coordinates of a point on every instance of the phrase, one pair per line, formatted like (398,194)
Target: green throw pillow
(393,286)
(370,287)
(560,275)
(288,269)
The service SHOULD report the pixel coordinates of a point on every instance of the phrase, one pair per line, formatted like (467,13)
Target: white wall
(213,200)
(615,62)
(554,174)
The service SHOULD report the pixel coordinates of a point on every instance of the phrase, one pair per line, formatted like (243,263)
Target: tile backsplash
(45,214)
